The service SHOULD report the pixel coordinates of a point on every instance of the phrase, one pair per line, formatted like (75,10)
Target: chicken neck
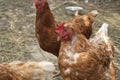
(45,16)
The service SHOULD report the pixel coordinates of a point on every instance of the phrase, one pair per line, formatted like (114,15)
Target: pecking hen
(83,59)
(18,70)
(45,26)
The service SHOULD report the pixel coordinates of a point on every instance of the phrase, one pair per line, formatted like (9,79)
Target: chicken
(83,59)
(18,70)
(83,23)
(45,26)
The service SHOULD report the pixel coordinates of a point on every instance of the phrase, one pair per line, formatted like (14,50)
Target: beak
(58,38)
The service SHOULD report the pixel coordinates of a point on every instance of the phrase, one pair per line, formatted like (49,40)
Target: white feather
(103,30)
(47,66)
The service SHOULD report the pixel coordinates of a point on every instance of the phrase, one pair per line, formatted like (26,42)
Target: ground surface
(17,39)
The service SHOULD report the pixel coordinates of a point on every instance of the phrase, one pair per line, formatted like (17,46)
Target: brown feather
(45,30)
(80,59)
(45,26)
(18,70)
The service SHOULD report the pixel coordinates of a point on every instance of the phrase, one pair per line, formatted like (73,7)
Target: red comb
(59,28)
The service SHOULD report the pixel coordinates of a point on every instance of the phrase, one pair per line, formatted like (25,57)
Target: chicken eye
(89,18)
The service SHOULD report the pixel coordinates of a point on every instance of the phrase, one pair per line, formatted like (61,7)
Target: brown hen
(18,70)
(81,59)
(45,26)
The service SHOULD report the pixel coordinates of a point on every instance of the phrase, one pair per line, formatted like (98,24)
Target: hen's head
(64,32)
(92,15)
(39,3)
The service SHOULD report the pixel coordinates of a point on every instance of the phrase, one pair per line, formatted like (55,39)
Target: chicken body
(19,70)
(45,26)
(45,30)
(80,59)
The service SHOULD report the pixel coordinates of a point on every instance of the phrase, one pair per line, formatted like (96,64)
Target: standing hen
(45,26)
(81,59)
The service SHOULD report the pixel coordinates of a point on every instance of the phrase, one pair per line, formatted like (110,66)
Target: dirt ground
(17,38)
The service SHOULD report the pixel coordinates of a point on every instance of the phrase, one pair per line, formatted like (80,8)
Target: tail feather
(103,30)
(103,33)
(102,36)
